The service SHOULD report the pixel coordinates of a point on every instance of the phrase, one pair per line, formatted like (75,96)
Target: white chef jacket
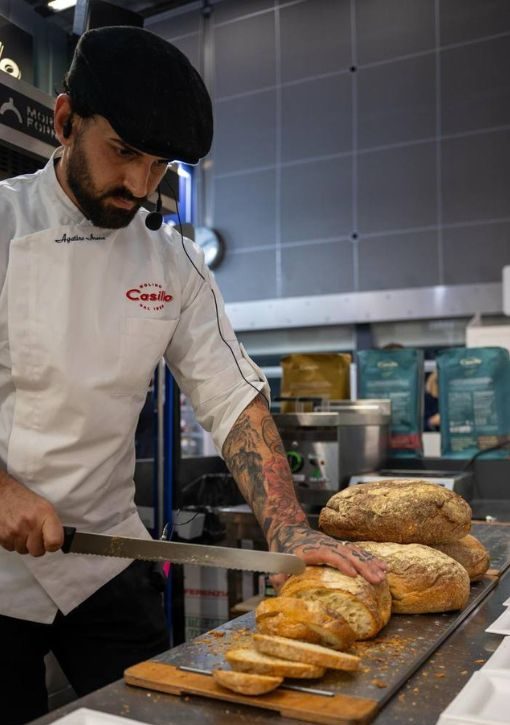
(85,315)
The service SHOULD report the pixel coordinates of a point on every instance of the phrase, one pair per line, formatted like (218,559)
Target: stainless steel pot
(326,447)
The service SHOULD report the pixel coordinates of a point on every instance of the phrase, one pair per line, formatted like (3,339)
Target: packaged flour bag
(397,374)
(474,401)
(323,376)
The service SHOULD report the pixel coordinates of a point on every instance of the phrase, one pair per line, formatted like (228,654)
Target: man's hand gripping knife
(254,453)
(28,523)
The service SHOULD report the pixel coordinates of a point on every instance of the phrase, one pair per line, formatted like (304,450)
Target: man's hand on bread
(254,453)
(317,548)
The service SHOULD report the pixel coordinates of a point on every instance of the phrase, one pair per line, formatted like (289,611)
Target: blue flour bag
(474,401)
(396,374)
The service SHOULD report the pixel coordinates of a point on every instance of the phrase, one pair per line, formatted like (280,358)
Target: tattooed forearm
(256,458)
(255,455)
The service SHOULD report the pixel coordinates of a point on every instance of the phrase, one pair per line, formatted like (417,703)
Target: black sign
(16,51)
(26,115)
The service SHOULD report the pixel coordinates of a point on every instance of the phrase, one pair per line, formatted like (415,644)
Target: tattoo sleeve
(254,453)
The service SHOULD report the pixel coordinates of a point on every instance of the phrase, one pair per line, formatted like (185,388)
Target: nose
(137,178)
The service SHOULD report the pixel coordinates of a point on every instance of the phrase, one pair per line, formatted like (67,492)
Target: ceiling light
(61,4)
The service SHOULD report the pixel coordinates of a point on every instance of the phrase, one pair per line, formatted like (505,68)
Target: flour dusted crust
(400,511)
(366,607)
(469,552)
(421,579)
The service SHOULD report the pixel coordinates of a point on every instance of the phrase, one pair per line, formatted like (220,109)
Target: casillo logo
(387,364)
(468,361)
(149,295)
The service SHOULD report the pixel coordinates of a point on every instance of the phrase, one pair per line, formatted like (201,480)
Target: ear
(62,114)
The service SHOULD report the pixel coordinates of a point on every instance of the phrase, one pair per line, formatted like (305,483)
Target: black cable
(497,447)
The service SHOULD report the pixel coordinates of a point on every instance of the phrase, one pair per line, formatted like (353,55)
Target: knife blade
(224,557)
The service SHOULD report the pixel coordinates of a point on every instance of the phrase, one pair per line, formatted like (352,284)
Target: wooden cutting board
(336,710)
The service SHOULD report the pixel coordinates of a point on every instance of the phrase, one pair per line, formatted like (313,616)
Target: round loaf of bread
(401,511)
(303,620)
(469,552)
(365,607)
(421,579)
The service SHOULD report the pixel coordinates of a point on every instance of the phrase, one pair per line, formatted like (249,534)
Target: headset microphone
(154,220)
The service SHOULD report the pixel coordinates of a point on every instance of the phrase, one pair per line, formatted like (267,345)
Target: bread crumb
(439,675)
(379,683)
(464,672)
(479,662)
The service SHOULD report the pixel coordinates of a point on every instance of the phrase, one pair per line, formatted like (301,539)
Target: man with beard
(91,300)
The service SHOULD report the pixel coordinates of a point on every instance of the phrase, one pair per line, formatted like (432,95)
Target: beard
(95,206)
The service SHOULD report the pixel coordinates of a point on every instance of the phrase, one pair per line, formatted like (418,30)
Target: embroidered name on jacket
(149,295)
(77,238)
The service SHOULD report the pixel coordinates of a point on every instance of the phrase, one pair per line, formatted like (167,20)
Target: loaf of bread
(421,579)
(366,607)
(469,552)
(246,684)
(400,511)
(303,620)
(243,659)
(313,654)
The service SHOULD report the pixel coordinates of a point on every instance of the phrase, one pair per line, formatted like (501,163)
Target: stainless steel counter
(419,701)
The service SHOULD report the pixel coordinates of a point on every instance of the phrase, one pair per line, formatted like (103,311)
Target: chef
(90,300)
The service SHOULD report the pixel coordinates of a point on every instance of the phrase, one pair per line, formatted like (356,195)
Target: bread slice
(469,552)
(303,620)
(400,511)
(246,684)
(243,659)
(366,607)
(422,580)
(290,649)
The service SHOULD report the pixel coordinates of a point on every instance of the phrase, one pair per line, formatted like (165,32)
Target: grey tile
(248,276)
(475,86)
(476,177)
(397,101)
(244,209)
(317,117)
(318,269)
(244,55)
(397,188)
(398,261)
(245,132)
(234,9)
(389,28)
(461,20)
(173,26)
(316,200)
(476,254)
(315,38)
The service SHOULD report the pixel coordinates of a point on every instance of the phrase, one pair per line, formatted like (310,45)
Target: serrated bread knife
(80,542)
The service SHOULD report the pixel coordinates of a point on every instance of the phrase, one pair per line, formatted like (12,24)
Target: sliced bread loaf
(304,620)
(246,684)
(314,654)
(365,607)
(243,659)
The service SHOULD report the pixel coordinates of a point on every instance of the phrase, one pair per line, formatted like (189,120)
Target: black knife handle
(69,532)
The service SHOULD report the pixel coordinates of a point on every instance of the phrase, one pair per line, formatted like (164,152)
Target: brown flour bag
(322,375)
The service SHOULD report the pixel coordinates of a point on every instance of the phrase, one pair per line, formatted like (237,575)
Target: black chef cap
(146,88)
